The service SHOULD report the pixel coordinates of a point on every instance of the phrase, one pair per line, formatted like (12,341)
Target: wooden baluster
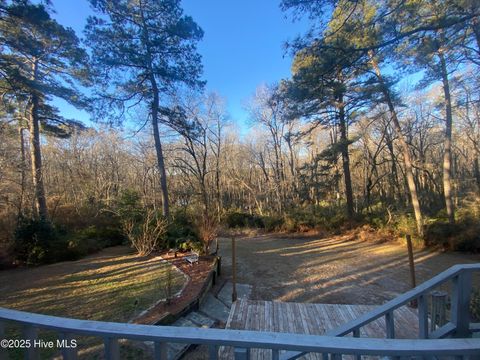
(31,333)
(213,352)
(160,351)
(422,317)
(3,351)
(112,349)
(460,314)
(356,333)
(390,325)
(69,351)
(275,354)
(241,354)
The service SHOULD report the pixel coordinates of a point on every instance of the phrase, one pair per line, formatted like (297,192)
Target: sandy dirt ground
(346,269)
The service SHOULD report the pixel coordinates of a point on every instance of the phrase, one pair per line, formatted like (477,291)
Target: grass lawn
(113,285)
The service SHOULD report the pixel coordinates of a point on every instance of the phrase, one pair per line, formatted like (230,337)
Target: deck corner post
(460,314)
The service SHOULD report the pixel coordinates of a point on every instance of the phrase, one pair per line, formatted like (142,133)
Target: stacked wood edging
(194,304)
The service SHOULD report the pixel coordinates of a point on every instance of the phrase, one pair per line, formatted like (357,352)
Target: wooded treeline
(379,120)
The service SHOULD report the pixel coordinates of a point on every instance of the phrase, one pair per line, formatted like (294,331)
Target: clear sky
(242,46)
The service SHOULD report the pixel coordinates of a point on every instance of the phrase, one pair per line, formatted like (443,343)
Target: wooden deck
(313,319)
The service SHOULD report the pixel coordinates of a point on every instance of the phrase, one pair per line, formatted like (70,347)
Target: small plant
(146,234)
(207,232)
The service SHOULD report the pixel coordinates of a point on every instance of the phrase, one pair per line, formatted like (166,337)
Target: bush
(405,224)
(147,234)
(103,236)
(207,232)
(464,235)
(181,229)
(315,217)
(38,242)
(241,220)
(273,223)
(190,245)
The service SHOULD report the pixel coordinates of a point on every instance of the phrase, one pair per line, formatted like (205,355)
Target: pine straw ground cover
(113,285)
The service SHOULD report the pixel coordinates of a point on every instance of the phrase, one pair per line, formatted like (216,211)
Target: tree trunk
(160,159)
(404,146)
(447,155)
(40,208)
(154,110)
(23,178)
(345,157)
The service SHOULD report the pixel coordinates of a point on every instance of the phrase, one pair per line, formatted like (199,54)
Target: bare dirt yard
(352,268)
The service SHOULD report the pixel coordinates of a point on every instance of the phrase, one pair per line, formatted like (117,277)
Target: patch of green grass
(113,285)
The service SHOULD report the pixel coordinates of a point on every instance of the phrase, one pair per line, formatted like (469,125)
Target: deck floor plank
(315,319)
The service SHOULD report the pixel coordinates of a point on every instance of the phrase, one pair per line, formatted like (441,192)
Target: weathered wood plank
(313,319)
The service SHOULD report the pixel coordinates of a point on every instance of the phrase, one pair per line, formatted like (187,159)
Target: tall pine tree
(142,49)
(40,60)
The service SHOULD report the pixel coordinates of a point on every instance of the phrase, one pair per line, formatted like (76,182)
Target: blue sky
(242,46)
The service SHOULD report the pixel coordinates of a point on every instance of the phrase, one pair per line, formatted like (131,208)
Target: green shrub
(405,225)
(241,220)
(104,236)
(181,230)
(464,235)
(273,223)
(190,245)
(315,217)
(128,205)
(37,242)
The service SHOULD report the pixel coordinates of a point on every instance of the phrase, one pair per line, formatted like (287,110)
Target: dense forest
(378,124)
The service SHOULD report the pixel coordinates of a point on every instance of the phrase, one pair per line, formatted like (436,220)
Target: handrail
(402,299)
(247,339)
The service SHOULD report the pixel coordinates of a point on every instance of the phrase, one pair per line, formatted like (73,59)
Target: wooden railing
(296,345)
(459,325)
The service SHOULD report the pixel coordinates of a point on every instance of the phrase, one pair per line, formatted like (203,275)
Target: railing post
(275,354)
(3,351)
(31,333)
(356,333)
(160,351)
(390,325)
(69,352)
(112,349)
(213,352)
(241,354)
(439,307)
(460,315)
(422,317)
